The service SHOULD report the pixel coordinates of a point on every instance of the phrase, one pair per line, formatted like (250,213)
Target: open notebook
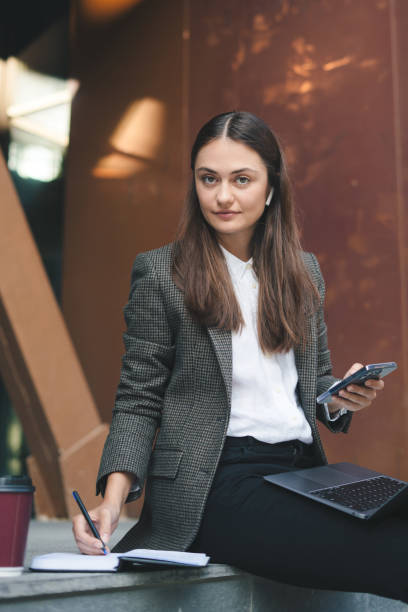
(114,562)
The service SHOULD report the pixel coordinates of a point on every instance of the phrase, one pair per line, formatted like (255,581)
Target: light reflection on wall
(35,161)
(136,140)
(106,10)
(37,110)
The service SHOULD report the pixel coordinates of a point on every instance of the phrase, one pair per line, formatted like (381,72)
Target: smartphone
(373,370)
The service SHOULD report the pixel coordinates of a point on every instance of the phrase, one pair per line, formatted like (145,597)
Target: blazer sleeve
(146,368)
(325,377)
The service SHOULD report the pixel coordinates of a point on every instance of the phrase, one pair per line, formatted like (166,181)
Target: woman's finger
(357,400)
(105,528)
(86,541)
(341,402)
(374,384)
(354,368)
(359,391)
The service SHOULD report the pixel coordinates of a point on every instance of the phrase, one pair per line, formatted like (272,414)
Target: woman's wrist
(335,413)
(117,489)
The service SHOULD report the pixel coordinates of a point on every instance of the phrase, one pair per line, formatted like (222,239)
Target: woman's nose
(224,194)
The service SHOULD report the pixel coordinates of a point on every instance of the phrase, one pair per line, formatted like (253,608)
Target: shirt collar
(236,267)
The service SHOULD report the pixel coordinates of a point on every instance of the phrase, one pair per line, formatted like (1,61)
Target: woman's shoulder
(312,266)
(159,258)
(155,265)
(309,259)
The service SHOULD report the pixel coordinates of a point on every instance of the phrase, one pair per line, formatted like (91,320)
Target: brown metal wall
(328,76)
(325,76)
(118,205)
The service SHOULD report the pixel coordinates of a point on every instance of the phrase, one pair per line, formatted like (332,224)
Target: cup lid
(16,484)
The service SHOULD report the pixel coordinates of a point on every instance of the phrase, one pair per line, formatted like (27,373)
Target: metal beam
(41,370)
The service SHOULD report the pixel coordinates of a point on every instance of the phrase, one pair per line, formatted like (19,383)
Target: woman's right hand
(106,517)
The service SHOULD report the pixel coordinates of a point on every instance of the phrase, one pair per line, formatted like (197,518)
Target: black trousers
(277,534)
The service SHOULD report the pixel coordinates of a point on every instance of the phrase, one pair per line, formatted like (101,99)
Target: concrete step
(216,588)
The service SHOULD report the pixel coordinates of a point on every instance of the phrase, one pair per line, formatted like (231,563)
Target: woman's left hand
(356,397)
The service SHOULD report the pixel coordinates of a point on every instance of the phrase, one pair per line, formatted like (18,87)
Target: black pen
(89,520)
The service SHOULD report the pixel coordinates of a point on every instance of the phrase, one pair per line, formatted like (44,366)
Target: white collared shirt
(264,402)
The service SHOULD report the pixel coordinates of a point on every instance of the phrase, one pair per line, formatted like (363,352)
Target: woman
(226,351)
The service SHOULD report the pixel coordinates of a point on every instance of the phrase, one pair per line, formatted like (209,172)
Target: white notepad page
(75,562)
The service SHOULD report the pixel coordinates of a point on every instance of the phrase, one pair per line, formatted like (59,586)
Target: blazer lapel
(221,340)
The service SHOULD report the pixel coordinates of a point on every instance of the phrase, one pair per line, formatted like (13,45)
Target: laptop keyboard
(363,495)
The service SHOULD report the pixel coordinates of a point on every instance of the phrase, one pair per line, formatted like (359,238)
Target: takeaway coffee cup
(16,500)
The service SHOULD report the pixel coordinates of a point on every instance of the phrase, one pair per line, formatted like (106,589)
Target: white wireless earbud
(268,201)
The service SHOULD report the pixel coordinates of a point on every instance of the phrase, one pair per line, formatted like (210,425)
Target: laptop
(358,491)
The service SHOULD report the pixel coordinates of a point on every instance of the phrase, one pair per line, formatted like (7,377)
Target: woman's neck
(237,246)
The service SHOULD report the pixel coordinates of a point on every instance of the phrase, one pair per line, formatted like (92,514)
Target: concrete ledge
(216,588)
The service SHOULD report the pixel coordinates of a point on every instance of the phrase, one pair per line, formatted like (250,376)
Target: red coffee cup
(16,500)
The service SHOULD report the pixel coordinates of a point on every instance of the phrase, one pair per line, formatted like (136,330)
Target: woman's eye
(208,179)
(242,180)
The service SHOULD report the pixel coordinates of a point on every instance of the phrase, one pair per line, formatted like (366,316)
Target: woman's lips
(226,214)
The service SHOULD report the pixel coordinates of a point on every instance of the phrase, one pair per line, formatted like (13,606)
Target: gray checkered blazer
(176,381)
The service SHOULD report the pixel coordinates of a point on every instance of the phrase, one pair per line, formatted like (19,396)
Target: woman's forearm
(117,488)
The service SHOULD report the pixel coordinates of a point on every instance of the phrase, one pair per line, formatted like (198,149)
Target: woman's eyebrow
(203,168)
(244,170)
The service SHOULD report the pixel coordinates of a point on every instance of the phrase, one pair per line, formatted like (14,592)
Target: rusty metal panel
(124,172)
(322,73)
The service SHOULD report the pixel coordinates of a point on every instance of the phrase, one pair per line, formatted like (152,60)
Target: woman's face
(232,186)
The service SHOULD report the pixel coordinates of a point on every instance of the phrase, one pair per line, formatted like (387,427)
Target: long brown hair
(287,294)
